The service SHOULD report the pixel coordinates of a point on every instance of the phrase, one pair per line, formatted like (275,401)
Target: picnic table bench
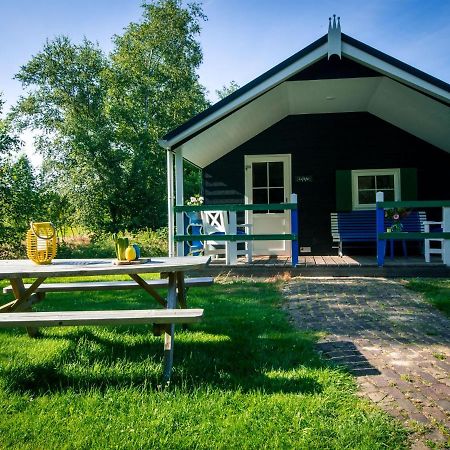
(18,312)
(360,227)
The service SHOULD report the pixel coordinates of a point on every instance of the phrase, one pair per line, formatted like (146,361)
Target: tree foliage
(19,191)
(100,116)
(225,90)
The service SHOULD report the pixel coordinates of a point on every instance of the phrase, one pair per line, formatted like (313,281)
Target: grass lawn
(243,379)
(436,291)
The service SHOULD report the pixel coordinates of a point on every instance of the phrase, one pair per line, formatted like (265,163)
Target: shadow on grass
(244,342)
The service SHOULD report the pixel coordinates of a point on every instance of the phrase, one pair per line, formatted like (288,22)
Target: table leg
(25,299)
(141,282)
(182,294)
(181,290)
(169,336)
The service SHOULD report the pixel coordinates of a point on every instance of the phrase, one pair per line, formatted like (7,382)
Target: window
(268,183)
(366,183)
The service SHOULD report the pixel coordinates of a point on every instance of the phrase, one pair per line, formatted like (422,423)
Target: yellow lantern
(41,242)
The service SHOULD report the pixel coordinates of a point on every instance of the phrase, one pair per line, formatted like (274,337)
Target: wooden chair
(216,223)
(428,250)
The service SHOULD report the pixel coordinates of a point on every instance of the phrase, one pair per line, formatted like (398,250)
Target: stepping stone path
(394,342)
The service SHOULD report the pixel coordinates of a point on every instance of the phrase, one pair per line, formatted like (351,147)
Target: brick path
(396,344)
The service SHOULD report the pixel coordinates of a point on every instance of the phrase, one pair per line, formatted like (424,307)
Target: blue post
(294,230)
(381,243)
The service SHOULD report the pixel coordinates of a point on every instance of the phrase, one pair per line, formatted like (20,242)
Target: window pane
(366,197)
(276,174)
(388,195)
(366,182)
(259,171)
(385,182)
(276,195)
(260,196)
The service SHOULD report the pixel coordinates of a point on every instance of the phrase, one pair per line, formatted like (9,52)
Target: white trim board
(383,97)
(348,50)
(374,172)
(266,85)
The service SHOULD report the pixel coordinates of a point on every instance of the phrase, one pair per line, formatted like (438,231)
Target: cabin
(334,123)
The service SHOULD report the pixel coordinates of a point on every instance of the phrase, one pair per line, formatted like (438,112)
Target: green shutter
(344,190)
(408,183)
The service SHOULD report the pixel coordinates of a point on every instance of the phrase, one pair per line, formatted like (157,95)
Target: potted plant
(194,216)
(396,215)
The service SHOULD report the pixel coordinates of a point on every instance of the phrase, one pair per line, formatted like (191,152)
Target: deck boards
(330,261)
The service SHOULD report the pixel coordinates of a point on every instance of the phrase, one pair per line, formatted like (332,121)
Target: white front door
(268,180)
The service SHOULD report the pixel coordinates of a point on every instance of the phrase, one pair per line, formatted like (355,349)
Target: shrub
(152,243)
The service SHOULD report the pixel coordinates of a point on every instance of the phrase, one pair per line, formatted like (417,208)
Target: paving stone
(419,445)
(435,436)
(418,417)
(377,396)
(444,404)
(387,337)
(435,413)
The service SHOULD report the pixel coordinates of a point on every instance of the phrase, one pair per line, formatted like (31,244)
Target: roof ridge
(286,63)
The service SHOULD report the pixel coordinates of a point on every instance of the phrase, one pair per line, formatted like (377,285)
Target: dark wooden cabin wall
(320,144)
(334,68)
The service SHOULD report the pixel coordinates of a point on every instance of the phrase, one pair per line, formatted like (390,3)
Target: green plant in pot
(121,244)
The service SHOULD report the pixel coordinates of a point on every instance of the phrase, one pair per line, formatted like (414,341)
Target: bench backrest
(361,225)
(215,222)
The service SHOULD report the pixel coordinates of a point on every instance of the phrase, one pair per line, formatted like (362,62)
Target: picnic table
(172,270)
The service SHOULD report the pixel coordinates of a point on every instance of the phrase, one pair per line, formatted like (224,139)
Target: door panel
(268,180)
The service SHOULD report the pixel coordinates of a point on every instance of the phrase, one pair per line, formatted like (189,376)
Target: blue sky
(242,38)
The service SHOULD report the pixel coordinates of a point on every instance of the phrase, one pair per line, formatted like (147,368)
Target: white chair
(217,223)
(428,250)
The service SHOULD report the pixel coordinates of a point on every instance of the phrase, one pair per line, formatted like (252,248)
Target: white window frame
(374,172)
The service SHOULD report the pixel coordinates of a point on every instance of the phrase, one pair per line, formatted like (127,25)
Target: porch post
(294,230)
(446,229)
(231,246)
(381,243)
(179,198)
(170,214)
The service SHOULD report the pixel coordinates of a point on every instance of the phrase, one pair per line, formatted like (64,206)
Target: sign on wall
(304,178)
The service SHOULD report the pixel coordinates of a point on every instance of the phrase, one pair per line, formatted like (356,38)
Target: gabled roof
(383,65)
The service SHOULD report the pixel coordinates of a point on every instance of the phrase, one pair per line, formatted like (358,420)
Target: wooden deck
(325,265)
(333,261)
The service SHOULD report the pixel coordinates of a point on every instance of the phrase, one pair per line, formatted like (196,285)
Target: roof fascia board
(394,72)
(266,85)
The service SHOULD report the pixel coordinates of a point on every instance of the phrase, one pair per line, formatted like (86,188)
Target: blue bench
(356,227)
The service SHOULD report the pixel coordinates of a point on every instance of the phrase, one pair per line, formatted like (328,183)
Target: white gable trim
(394,72)
(383,97)
(334,37)
(278,78)
(266,85)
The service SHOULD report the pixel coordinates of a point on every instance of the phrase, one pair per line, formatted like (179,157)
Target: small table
(174,268)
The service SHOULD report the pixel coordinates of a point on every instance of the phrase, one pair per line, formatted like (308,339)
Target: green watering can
(121,245)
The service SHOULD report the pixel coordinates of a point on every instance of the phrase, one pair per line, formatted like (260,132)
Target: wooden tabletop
(24,268)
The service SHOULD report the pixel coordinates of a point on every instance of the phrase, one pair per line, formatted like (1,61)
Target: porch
(331,266)
(332,261)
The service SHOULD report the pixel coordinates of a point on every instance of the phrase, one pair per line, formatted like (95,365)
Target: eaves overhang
(351,48)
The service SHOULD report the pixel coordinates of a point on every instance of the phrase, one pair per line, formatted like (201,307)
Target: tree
(225,90)
(66,102)
(154,87)
(100,117)
(20,204)
(23,195)
(9,145)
